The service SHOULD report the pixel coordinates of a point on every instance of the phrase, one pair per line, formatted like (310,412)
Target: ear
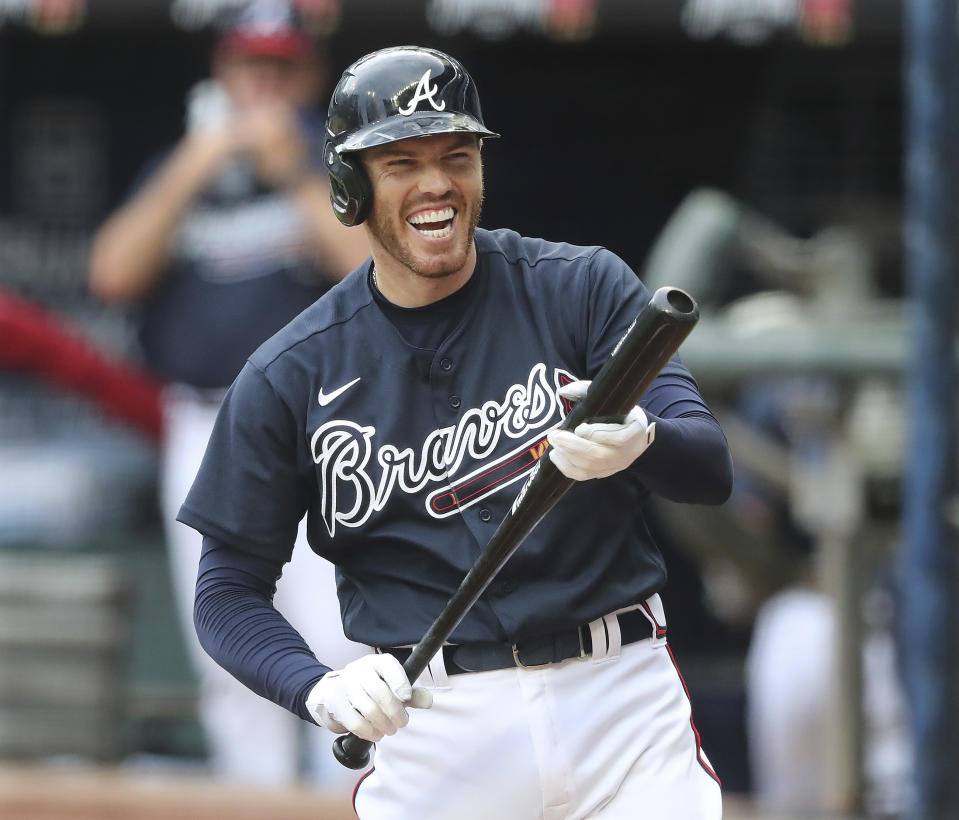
(351,193)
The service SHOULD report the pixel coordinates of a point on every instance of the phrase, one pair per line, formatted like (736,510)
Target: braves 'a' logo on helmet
(423,92)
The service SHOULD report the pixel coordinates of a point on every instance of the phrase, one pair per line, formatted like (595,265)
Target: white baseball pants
(609,737)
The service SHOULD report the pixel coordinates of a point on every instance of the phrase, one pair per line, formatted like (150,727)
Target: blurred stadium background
(752,151)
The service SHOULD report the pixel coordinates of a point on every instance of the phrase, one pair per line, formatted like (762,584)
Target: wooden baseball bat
(651,340)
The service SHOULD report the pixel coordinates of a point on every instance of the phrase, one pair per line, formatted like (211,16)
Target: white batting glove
(367,697)
(598,449)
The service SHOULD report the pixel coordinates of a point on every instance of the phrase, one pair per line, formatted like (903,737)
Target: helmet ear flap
(350,191)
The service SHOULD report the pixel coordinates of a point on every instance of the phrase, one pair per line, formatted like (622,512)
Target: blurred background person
(224,239)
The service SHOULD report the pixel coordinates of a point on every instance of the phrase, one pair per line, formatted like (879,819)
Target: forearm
(688,462)
(132,247)
(242,631)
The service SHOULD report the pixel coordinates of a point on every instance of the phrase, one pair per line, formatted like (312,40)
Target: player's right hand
(367,697)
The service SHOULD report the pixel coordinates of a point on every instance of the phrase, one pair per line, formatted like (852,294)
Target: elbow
(203,617)
(116,274)
(695,468)
(720,486)
(106,280)
(716,484)
(713,482)
(199,616)
(706,483)
(716,479)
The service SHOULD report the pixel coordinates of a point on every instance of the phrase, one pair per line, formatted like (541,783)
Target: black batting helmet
(390,95)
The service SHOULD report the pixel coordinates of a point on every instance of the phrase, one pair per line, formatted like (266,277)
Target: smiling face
(427,198)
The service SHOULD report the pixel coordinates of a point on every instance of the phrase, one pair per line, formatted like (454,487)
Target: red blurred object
(34,341)
(56,16)
(571,19)
(826,22)
(286,30)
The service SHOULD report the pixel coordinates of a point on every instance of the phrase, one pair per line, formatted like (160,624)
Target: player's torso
(413,466)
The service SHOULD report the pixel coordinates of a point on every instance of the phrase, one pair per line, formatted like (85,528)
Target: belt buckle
(522,665)
(518,661)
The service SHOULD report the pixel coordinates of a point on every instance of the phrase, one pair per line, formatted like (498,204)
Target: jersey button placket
(485,514)
(444,367)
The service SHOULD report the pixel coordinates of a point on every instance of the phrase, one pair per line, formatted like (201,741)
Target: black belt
(541,651)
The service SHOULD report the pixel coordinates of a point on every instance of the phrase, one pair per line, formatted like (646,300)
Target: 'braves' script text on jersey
(342,450)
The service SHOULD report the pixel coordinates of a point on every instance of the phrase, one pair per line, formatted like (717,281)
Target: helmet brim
(418,124)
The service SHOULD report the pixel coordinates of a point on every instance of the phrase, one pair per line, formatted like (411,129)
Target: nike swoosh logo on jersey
(325,398)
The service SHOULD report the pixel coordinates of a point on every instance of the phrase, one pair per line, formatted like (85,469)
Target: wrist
(209,149)
(307,693)
(315,704)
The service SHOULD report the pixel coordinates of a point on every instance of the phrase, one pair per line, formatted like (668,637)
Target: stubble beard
(388,235)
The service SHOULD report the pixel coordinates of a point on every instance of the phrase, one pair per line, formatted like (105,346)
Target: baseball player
(398,413)
(228,236)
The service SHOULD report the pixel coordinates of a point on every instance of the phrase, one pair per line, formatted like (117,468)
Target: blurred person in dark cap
(224,239)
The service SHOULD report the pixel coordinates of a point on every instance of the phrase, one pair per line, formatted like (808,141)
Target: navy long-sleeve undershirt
(689,461)
(242,631)
(239,627)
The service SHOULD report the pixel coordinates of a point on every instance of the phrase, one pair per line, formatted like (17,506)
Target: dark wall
(601,144)
(601,140)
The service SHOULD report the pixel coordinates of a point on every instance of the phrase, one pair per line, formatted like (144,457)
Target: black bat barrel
(651,340)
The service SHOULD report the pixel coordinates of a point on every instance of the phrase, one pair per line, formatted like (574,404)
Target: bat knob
(352,751)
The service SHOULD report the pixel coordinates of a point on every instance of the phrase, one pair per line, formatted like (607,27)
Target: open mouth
(434,224)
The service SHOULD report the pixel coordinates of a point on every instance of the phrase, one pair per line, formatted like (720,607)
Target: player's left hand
(599,449)
(368,697)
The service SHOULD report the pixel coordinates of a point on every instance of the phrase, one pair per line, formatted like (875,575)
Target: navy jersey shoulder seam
(587,255)
(309,336)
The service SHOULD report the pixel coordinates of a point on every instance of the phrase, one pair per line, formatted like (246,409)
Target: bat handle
(352,751)
(619,418)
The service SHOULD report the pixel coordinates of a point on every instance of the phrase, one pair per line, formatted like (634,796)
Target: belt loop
(437,669)
(597,633)
(615,636)
(655,604)
(652,609)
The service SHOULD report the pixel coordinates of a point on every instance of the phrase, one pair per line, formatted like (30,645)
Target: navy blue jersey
(405,471)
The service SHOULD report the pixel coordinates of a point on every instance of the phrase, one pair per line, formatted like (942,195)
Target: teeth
(437,234)
(431,216)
